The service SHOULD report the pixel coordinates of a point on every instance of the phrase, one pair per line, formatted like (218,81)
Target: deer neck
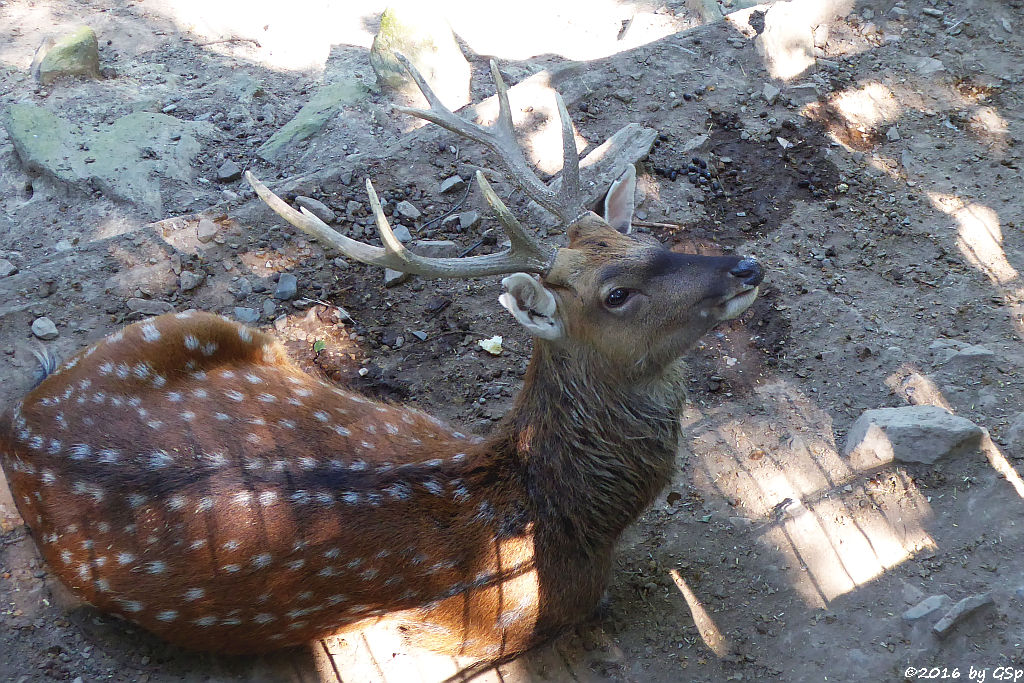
(595,452)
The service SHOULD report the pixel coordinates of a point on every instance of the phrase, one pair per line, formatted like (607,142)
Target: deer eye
(616,297)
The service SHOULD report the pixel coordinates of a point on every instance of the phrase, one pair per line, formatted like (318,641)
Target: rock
(269,308)
(129,160)
(1015,436)
(770,93)
(317,208)
(453,184)
(898,14)
(970,356)
(435,248)
(402,233)
(693,143)
(420,334)
(206,231)
(926,66)
(312,117)
(189,280)
(229,171)
(7,268)
(352,208)
(961,611)
(393,278)
(247,316)
(407,210)
(287,287)
(149,306)
(44,329)
(468,220)
(932,12)
(930,605)
(426,39)
(909,434)
(893,134)
(76,54)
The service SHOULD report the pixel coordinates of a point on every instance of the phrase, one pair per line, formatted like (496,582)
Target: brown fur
(185,475)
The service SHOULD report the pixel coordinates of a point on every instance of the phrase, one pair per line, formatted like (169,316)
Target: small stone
(149,306)
(930,605)
(406,209)
(247,316)
(340,262)
(1015,436)
(393,278)
(269,308)
(189,280)
(468,220)
(7,268)
(893,134)
(317,208)
(898,14)
(932,12)
(453,184)
(402,233)
(842,188)
(207,230)
(435,248)
(420,334)
(352,208)
(970,356)
(287,287)
(229,171)
(929,65)
(961,611)
(44,328)
(770,93)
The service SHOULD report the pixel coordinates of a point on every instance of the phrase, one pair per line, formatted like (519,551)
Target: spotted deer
(184,474)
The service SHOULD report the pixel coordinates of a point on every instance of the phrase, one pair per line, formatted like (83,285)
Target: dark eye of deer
(617,297)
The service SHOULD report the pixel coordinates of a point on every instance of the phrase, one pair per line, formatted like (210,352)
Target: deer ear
(532,305)
(619,202)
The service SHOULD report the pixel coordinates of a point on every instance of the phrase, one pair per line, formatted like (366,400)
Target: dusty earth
(881,186)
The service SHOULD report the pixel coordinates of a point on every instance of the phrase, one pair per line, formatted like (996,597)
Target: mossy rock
(76,54)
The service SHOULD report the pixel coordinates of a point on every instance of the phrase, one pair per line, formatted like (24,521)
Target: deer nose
(749,270)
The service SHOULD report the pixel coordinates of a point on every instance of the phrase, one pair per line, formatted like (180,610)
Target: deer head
(619,301)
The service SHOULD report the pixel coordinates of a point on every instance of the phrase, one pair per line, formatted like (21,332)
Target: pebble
(893,134)
(269,308)
(352,208)
(452,184)
(961,611)
(393,278)
(402,233)
(317,208)
(207,230)
(770,92)
(245,315)
(7,268)
(189,280)
(229,171)
(287,287)
(419,334)
(406,209)
(44,328)
(468,220)
(436,248)
(932,12)
(930,605)
(149,306)
(1015,435)
(898,14)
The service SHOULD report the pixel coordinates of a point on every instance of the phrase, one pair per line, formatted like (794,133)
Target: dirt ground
(881,187)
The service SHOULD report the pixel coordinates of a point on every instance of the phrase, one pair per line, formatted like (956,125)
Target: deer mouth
(736,304)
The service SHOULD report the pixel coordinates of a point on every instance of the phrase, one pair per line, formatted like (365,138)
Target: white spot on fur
(191,342)
(149,332)
(267,498)
(167,615)
(193,594)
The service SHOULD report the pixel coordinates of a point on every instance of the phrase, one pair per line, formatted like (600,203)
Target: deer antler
(526,253)
(499,137)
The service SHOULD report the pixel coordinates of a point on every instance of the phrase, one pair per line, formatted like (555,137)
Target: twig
(655,224)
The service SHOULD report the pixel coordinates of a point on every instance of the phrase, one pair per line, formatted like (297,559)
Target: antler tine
(570,159)
(525,254)
(500,139)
